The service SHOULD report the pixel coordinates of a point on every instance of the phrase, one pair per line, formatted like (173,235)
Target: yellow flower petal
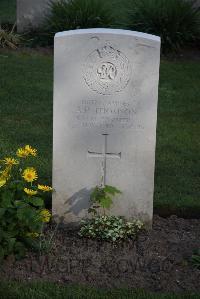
(30,191)
(2,183)
(31,151)
(45,215)
(22,153)
(32,235)
(45,188)
(30,174)
(10,161)
(5,175)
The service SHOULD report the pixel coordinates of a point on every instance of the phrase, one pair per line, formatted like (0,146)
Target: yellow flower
(10,161)
(31,151)
(30,191)
(44,188)
(45,215)
(4,175)
(2,182)
(22,153)
(6,172)
(32,235)
(30,174)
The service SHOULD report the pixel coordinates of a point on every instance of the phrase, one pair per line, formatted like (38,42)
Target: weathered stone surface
(31,13)
(105,102)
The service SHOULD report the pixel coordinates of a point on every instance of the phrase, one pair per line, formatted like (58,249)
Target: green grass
(16,290)
(7,11)
(177,181)
(26,117)
(26,109)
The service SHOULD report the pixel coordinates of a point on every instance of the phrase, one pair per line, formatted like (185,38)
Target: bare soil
(159,260)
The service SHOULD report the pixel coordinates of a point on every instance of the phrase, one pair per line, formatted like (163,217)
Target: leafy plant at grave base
(104,227)
(22,212)
(177,22)
(196,259)
(101,197)
(76,14)
(9,38)
(109,228)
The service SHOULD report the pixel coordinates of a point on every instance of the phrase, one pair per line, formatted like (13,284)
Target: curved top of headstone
(109,31)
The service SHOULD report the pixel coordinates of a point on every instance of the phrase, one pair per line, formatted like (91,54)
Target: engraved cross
(104,155)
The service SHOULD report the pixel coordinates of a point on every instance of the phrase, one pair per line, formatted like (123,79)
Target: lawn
(26,88)
(177,164)
(50,291)
(7,11)
(26,106)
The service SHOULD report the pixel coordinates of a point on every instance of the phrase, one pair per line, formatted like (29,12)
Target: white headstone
(105,112)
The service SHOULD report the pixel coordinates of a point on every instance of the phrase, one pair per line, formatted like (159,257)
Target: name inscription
(99,113)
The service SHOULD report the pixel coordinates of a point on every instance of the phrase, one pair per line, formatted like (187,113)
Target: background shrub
(9,38)
(177,22)
(8,11)
(76,14)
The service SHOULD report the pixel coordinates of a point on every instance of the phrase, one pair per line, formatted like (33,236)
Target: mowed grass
(7,11)
(26,92)
(16,290)
(26,88)
(177,173)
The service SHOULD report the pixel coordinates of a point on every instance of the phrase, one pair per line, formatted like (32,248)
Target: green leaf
(111,190)
(2,212)
(17,185)
(101,196)
(6,199)
(36,201)
(20,204)
(97,194)
(106,202)
(11,243)
(94,193)
(2,253)
(26,214)
(19,249)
